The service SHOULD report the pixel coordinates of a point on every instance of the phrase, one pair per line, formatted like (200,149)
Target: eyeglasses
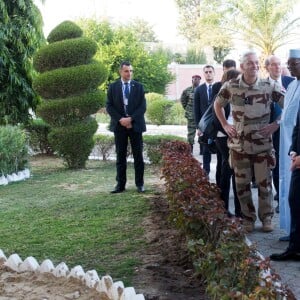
(206,72)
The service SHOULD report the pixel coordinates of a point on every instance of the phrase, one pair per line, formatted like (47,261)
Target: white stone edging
(265,275)
(105,284)
(19,176)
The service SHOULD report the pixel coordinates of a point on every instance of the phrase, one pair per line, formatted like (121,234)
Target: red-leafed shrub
(231,268)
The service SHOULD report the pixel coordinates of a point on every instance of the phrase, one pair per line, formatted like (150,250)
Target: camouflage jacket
(187,101)
(251,107)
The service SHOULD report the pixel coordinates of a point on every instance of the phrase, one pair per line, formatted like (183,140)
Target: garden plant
(68,83)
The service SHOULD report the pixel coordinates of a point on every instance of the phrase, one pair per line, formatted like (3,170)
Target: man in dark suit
(202,99)
(126,105)
(274,68)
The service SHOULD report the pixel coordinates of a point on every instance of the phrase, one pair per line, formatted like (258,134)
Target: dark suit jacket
(215,90)
(296,136)
(286,80)
(200,102)
(136,105)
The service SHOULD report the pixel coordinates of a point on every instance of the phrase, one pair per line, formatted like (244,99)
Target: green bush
(176,116)
(13,149)
(73,143)
(65,111)
(65,30)
(38,136)
(64,54)
(104,145)
(64,82)
(150,97)
(158,111)
(154,145)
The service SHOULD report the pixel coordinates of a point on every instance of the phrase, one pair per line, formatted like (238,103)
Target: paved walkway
(266,243)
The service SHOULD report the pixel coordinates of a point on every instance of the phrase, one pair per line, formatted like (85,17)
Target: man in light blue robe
(287,123)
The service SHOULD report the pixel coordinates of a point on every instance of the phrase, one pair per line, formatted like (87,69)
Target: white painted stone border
(265,275)
(113,290)
(19,176)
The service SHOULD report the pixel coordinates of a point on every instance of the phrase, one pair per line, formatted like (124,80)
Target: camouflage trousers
(262,164)
(191,131)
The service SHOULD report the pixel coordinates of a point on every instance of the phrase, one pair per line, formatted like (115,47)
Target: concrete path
(267,243)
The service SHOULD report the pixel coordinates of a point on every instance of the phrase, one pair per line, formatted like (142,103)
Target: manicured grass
(69,215)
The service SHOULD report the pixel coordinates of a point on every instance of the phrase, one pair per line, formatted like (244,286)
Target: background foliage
(118,43)
(262,24)
(20,36)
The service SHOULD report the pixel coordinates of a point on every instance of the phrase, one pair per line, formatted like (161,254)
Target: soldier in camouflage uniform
(249,138)
(187,101)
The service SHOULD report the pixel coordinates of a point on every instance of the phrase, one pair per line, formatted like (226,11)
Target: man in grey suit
(126,105)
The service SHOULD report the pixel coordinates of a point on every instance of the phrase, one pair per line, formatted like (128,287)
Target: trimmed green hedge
(13,150)
(65,30)
(74,143)
(65,111)
(67,53)
(65,82)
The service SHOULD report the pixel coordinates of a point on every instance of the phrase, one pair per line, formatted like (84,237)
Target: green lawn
(68,215)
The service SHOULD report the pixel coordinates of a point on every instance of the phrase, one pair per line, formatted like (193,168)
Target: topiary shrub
(68,84)
(13,150)
(154,145)
(66,53)
(65,30)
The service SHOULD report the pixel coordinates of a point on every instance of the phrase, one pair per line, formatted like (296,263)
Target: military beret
(196,76)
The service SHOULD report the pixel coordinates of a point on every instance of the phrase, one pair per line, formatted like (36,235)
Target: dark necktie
(126,90)
(209,93)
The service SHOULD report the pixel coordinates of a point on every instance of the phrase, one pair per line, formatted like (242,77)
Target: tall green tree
(117,43)
(20,36)
(143,30)
(264,24)
(200,22)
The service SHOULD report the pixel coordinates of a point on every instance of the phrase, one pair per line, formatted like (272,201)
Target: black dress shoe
(286,255)
(140,189)
(117,190)
(285,238)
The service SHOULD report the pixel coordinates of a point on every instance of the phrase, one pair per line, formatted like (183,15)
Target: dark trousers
(206,158)
(136,141)
(226,175)
(218,167)
(275,171)
(294,201)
